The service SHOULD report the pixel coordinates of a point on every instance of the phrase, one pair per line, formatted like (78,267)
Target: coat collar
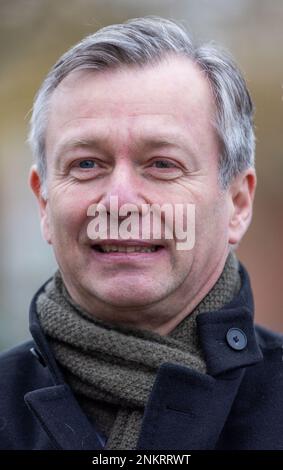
(56,408)
(220,330)
(170,400)
(43,351)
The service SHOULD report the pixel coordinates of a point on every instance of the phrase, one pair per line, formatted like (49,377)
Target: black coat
(238,404)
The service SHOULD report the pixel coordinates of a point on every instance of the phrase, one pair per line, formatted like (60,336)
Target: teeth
(128,249)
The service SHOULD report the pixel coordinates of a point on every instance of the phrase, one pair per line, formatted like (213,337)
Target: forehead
(167,95)
(174,77)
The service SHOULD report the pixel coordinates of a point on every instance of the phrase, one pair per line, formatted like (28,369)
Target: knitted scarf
(111,369)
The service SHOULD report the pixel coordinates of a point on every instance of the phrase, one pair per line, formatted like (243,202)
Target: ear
(36,186)
(242,191)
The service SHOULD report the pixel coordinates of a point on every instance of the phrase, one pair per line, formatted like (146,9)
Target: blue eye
(86,164)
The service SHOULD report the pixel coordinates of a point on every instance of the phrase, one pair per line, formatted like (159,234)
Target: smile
(125,249)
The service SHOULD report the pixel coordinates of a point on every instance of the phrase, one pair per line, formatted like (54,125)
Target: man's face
(144,135)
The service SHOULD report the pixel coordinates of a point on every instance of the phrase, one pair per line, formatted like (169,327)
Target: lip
(116,257)
(132,242)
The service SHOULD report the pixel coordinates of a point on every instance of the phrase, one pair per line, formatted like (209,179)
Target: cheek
(211,219)
(68,216)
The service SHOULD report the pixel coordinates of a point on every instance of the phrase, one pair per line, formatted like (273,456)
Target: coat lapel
(187,410)
(59,414)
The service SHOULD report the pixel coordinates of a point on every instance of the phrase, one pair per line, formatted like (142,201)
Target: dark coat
(238,404)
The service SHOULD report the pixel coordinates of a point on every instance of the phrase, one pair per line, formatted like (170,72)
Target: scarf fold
(112,368)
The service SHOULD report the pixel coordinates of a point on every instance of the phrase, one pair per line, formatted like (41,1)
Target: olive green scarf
(111,369)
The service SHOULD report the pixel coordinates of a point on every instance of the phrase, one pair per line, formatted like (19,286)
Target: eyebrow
(156,142)
(74,143)
(100,143)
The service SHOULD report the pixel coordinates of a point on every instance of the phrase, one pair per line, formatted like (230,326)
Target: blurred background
(34,33)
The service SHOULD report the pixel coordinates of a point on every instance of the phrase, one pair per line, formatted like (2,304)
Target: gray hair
(148,40)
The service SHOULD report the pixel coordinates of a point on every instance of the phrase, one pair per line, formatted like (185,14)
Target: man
(138,344)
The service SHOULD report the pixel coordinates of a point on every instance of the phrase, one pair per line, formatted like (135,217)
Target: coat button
(236,339)
(38,356)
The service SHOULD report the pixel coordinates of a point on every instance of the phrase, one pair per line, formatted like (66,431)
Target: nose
(125,186)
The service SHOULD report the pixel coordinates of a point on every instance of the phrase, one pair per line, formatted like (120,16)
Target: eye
(163,164)
(86,168)
(86,164)
(164,169)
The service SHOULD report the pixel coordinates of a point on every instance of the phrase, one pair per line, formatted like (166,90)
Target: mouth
(129,247)
(126,249)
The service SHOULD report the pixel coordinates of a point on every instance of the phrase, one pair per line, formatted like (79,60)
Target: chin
(127,296)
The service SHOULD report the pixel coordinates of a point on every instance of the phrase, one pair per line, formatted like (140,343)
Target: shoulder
(18,353)
(256,418)
(16,359)
(265,378)
(268,340)
(21,372)
(269,372)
